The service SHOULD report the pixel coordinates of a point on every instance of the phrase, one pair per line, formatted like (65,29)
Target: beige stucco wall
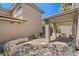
(33,18)
(20,16)
(15,30)
(12,30)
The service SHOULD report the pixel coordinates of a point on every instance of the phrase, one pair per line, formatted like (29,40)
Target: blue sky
(6,5)
(48,8)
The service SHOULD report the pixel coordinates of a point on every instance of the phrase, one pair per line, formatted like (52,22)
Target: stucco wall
(20,16)
(12,30)
(15,30)
(33,18)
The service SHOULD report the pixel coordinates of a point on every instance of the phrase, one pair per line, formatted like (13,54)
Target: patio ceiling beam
(70,11)
(60,21)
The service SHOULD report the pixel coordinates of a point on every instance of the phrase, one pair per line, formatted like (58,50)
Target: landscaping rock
(48,49)
(41,49)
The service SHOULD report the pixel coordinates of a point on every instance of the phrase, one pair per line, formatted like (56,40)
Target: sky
(48,8)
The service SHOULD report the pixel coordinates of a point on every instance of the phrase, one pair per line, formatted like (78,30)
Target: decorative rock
(46,49)
(55,48)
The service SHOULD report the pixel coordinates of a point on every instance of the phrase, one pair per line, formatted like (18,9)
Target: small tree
(64,6)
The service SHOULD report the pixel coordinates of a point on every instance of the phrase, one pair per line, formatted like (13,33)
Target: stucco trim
(12,19)
(36,7)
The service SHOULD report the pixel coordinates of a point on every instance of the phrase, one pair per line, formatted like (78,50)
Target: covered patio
(63,26)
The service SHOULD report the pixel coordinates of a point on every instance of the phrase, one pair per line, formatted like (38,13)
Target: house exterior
(23,20)
(20,21)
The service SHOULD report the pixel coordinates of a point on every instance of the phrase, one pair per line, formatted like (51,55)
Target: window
(18,10)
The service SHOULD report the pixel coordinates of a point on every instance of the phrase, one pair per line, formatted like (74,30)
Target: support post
(54,31)
(74,26)
(47,32)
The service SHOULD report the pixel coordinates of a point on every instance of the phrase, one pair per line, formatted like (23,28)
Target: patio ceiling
(65,16)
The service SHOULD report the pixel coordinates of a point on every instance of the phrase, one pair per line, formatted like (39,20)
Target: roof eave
(32,4)
(37,8)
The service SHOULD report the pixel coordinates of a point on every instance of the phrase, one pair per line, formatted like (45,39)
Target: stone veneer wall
(46,49)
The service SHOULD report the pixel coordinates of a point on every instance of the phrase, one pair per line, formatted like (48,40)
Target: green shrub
(34,36)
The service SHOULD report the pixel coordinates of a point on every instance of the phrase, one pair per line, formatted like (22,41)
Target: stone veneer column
(47,32)
(54,31)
